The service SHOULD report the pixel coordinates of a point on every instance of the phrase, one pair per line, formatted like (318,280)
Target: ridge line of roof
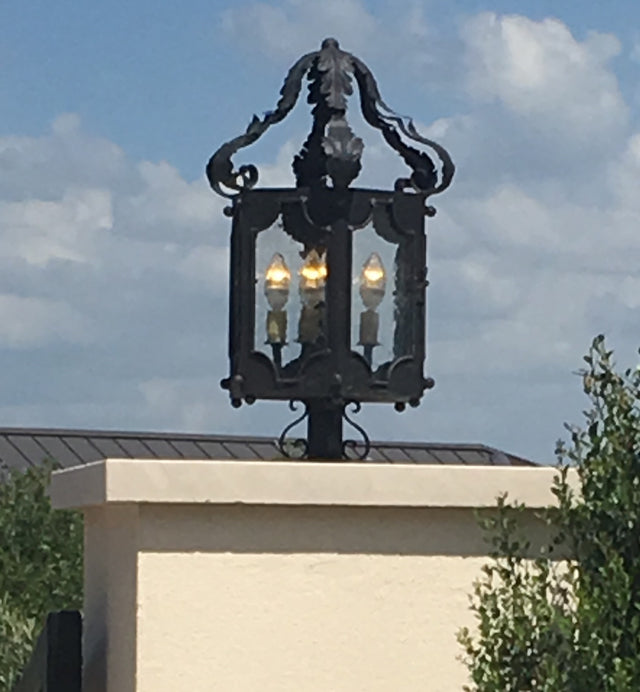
(221,445)
(230,437)
(224,438)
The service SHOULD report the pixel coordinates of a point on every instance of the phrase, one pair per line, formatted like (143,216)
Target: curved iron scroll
(220,167)
(352,445)
(376,112)
(298,448)
(332,150)
(300,444)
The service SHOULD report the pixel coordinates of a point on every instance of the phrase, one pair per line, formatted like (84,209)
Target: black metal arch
(332,150)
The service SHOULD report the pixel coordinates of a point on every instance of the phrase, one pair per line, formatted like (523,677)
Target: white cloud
(197,408)
(67,156)
(27,322)
(304,24)
(40,231)
(629,292)
(541,72)
(539,275)
(66,124)
(623,176)
(403,40)
(110,270)
(207,266)
(167,199)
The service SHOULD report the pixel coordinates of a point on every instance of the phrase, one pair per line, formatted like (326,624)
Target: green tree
(40,564)
(570,625)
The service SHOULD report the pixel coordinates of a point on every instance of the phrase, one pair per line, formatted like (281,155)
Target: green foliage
(40,564)
(553,625)
(17,634)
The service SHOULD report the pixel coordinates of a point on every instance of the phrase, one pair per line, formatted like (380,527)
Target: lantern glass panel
(374,313)
(290,284)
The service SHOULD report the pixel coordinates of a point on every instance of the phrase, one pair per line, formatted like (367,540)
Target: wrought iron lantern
(328,281)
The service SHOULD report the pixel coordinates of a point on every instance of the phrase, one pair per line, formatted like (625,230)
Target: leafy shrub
(17,634)
(551,625)
(40,564)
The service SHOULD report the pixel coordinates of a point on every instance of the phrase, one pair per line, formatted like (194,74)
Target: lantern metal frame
(323,213)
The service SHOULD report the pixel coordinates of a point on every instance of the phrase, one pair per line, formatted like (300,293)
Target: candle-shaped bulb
(373,280)
(276,282)
(313,277)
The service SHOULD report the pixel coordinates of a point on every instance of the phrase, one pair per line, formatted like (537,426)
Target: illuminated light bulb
(373,281)
(313,278)
(276,282)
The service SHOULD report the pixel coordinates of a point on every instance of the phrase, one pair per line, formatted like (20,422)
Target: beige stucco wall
(110,597)
(281,576)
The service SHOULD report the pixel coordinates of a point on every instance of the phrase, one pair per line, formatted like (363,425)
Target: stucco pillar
(205,575)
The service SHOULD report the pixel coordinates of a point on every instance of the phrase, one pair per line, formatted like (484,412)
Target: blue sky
(113,250)
(162,79)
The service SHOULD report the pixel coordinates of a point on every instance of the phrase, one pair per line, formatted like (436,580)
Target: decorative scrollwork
(297,448)
(331,150)
(376,112)
(220,170)
(352,445)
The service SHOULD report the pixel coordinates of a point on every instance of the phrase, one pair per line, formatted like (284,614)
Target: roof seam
(177,451)
(146,446)
(229,452)
(201,448)
(45,451)
(17,449)
(124,451)
(89,442)
(70,448)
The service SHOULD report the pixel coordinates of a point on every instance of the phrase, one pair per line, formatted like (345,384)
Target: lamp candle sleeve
(310,327)
(277,327)
(369,322)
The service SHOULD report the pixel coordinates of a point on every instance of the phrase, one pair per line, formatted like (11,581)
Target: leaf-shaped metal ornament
(335,67)
(343,150)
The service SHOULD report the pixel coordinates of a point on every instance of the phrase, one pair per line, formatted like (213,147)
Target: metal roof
(24,447)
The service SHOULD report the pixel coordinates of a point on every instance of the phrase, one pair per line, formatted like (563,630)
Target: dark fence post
(56,662)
